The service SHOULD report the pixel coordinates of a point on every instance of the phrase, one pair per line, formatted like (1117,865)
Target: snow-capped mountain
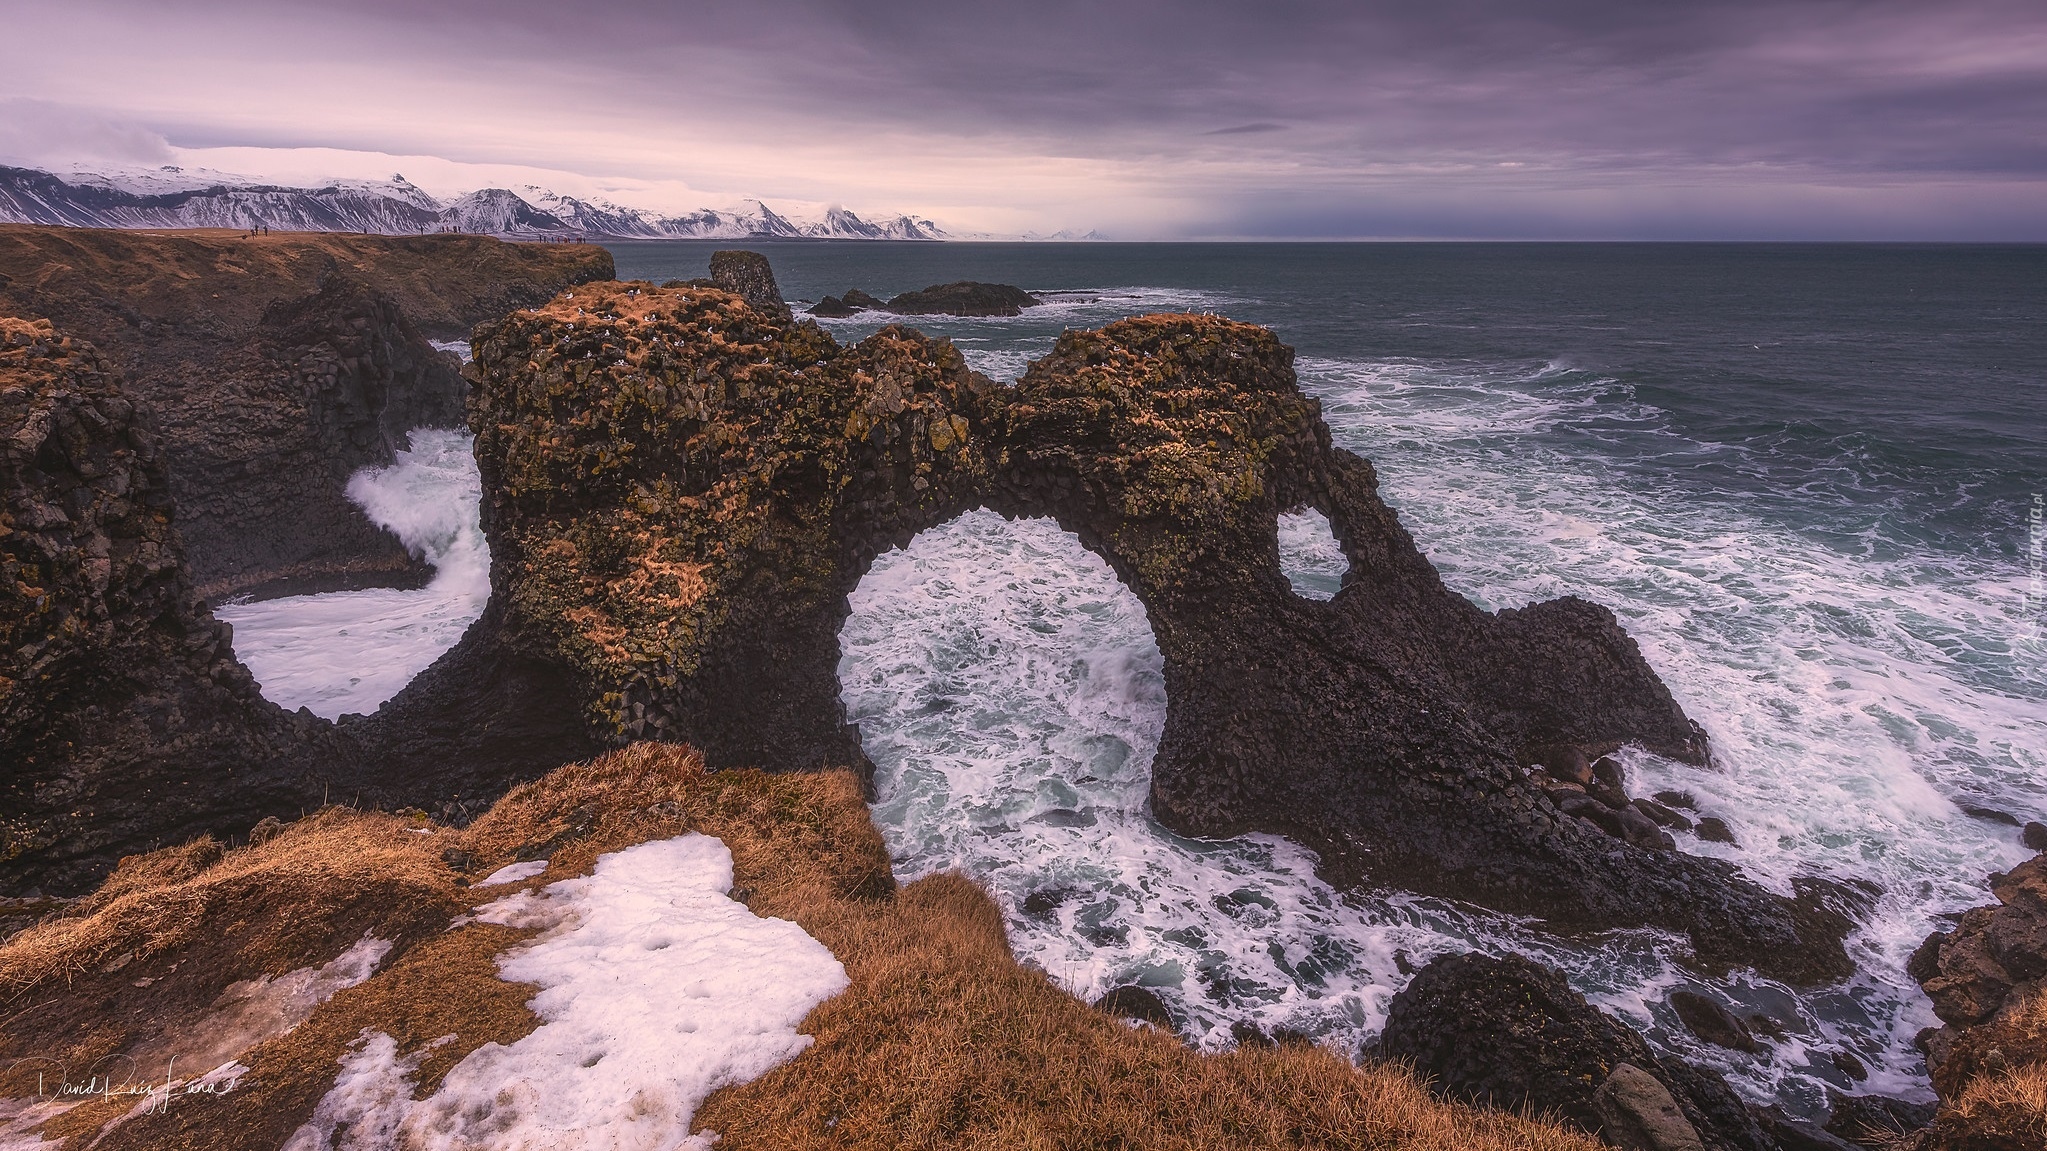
(180,198)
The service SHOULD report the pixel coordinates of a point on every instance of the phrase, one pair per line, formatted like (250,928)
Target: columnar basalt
(125,720)
(682,490)
(276,366)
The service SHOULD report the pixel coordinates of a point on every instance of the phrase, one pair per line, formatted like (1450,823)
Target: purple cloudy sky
(1289,118)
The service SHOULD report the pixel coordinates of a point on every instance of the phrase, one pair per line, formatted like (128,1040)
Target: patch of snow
(513,873)
(656,989)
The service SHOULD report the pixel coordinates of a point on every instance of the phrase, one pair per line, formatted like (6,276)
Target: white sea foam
(1308,550)
(350,651)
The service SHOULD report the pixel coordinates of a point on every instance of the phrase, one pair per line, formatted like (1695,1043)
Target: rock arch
(682,490)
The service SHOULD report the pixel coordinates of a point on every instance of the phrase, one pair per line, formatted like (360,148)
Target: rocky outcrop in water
(277,366)
(964,298)
(682,489)
(1509,1033)
(125,720)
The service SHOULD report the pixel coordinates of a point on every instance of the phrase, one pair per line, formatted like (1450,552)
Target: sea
(1810,479)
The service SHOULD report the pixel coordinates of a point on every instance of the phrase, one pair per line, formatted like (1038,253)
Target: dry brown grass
(1995,1082)
(942,1040)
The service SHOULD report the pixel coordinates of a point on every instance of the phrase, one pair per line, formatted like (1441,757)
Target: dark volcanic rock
(1873,1121)
(1711,1022)
(832,307)
(748,276)
(682,491)
(1509,1033)
(1714,829)
(965,298)
(857,299)
(275,367)
(1139,1003)
(2034,836)
(125,721)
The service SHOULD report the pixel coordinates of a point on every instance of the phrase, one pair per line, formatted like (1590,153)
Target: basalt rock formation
(125,720)
(681,490)
(276,366)
(1510,1033)
(1988,982)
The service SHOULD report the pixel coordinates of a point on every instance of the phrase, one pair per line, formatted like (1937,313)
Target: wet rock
(1705,1018)
(1248,1035)
(1713,829)
(1511,1034)
(1989,814)
(1850,1064)
(1678,799)
(1792,1134)
(1874,1121)
(832,307)
(748,276)
(1638,1113)
(1042,903)
(1139,1003)
(1642,831)
(857,299)
(1608,785)
(964,298)
(1662,815)
(1564,762)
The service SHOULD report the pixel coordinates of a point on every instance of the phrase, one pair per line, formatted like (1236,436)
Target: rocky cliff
(682,489)
(276,366)
(1988,982)
(125,720)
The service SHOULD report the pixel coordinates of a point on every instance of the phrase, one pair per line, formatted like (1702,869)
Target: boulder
(1637,1113)
(2034,836)
(1509,1033)
(1139,1003)
(1609,785)
(1705,1018)
(1713,829)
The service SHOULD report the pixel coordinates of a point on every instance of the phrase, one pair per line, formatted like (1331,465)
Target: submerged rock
(681,490)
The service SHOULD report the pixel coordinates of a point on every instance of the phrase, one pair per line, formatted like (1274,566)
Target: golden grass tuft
(942,1040)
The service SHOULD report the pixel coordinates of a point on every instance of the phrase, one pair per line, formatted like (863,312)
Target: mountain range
(172,197)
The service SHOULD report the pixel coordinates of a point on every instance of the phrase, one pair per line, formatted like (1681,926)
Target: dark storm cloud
(1320,109)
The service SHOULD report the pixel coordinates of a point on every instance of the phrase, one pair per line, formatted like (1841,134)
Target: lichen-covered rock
(683,488)
(748,276)
(124,716)
(1510,1033)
